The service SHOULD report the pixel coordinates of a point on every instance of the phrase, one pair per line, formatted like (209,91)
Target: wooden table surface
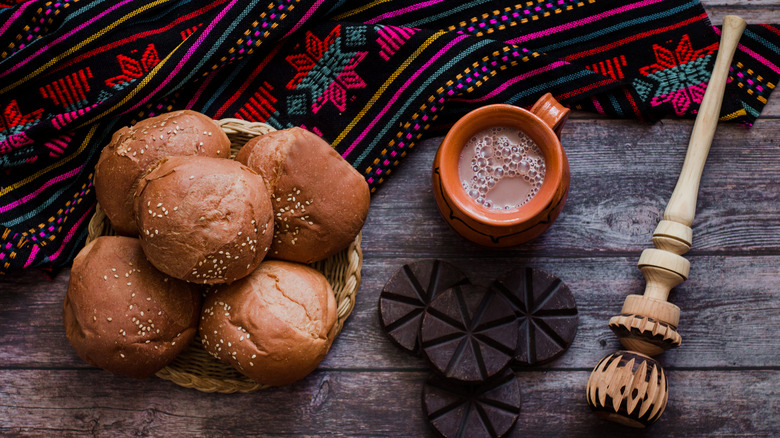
(724,380)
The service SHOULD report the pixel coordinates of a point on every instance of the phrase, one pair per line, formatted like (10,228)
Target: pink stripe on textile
(390,38)
(15,16)
(758,57)
(401,90)
(305,17)
(186,56)
(403,11)
(54,180)
(597,105)
(70,233)
(67,35)
(200,91)
(514,80)
(578,23)
(33,252)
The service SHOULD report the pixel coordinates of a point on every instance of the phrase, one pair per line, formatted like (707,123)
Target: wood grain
(325,404)
(723,379)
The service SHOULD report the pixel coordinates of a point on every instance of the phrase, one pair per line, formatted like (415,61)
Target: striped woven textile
(372,78)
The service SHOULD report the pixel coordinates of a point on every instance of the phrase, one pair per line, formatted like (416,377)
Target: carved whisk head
(647,325)
(628,388)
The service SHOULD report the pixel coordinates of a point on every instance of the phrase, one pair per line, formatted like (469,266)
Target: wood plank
(389,404)
(729,313)
(766,5)
(623,174)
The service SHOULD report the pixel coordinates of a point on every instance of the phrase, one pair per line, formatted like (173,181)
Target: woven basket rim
(345,283)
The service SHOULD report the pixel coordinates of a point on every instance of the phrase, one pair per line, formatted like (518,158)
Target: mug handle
(551,112)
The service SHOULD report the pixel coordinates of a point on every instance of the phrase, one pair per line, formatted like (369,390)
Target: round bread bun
(123,315)
(274,326)
(204,220)
(134,149)
(320,201)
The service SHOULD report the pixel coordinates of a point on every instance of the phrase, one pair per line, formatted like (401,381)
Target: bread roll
(320,201)
(274,326)
(123,315)
(134,149)
(204,220)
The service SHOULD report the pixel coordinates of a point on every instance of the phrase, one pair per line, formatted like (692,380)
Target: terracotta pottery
(492,227)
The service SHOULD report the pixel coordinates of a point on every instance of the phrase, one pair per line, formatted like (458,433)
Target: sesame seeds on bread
(134,149)
(320,201)
(204,220)
(274,326)
(123,315)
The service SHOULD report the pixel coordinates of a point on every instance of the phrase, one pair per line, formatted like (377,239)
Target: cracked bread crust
(274,326)
(134,149)
(204,220)
(123,315)
(320,201)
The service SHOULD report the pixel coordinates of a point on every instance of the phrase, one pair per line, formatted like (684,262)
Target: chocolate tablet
(547,312)
(407,294)
(469,333)
(489,409)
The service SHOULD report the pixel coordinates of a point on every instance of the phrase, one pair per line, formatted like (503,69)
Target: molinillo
(629,387)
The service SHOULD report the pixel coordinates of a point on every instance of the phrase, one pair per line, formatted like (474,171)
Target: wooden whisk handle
(679,213)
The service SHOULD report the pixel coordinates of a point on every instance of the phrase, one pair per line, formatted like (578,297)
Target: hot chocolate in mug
(501,176)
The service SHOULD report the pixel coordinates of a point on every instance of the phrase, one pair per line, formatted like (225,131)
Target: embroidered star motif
(337,91)
(678,77)
(316,48)
(326,70)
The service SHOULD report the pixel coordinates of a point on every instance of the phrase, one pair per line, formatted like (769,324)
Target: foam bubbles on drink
(501,157)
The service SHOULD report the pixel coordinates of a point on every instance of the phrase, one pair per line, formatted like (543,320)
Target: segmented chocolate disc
(489,409)
(469,333)
(407,294)
(547,312)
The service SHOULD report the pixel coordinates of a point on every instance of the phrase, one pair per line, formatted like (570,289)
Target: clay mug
(500,228)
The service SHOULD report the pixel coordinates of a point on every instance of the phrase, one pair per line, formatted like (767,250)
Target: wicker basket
(194,368)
